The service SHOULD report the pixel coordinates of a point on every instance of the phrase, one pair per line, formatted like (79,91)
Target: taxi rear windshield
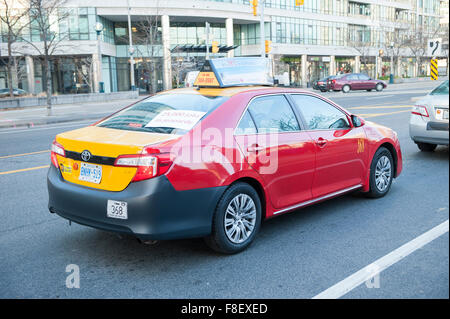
(165,113)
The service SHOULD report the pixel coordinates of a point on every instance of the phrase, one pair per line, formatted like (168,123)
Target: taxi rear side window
(165,113)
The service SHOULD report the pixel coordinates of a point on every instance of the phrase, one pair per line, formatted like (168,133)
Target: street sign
(434,69)
(434,47)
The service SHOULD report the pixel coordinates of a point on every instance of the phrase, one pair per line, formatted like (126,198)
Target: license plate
(441,114)
(90,173)
(117,209)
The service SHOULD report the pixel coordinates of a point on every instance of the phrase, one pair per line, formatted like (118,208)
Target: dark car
(323,84)
(356,81)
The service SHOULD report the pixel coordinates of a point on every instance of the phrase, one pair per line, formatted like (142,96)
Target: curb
(44,121)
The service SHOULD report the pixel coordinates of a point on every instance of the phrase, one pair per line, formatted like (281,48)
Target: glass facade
(333,23)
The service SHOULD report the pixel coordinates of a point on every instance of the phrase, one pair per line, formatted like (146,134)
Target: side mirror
(357,121)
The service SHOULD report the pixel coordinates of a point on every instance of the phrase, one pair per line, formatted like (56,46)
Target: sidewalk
(30,117)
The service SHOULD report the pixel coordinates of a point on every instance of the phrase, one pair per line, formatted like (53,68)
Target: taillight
(56,149)
(148,166)
(420,110)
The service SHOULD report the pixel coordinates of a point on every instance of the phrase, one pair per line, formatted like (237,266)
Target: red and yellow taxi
(216,160)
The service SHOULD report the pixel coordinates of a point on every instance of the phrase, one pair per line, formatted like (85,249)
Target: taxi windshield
(165,113)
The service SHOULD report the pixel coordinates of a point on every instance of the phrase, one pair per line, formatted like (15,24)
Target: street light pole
(207,30)
(391,77)
(131,49)
(262,30)
(99,29)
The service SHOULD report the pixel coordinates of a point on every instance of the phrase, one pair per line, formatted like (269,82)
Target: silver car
(428,126)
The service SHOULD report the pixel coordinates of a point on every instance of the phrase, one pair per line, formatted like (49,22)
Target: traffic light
(381,52)
(215,47)
(255,7)
(268,44)
(299,2)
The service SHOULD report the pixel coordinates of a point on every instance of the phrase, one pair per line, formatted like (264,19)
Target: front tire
(379,87)
(426,147)
(236,220)
(346,88)
(381,173)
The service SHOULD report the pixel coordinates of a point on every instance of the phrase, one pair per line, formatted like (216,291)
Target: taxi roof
(231,91)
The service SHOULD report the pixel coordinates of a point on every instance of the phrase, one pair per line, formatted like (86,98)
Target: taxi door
(274,145)
(340,148)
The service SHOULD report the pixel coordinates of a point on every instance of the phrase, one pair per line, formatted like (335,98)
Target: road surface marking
(368,272)
(24,154)
(379,97)
(24,170)
(381,114)
(380,107)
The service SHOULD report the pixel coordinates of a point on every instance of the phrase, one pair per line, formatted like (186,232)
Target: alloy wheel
(240,218)
(383,173)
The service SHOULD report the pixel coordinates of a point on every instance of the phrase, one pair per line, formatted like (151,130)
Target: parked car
(16,92)
(356,81)
(429,123)
(324,84)
(143,171)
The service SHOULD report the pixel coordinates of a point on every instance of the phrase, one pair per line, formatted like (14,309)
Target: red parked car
(356,81)
(216,161)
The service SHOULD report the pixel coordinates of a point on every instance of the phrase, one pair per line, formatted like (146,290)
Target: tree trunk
(48,89)
(9,66)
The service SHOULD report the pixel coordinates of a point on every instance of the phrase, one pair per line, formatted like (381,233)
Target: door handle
(321,142)
(255,148)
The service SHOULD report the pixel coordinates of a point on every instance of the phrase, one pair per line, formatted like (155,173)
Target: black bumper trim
(437,126)
(156,211)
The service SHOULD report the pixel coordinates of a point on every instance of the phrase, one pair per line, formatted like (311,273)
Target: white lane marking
(47,128)
(379,97)
(368,272)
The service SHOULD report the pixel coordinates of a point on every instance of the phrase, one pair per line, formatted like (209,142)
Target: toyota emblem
(86,156)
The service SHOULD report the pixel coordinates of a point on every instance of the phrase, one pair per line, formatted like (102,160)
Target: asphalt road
(297,255)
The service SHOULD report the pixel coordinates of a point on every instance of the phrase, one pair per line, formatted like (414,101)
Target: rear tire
(426,147)
(238,210)
(346,88)
(379,87)
(381,173)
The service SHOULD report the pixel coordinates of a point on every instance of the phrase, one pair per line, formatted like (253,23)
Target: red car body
(356,81)
(314,170)
(312,165)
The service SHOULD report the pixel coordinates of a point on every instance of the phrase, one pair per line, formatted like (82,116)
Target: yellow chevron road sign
(434,69)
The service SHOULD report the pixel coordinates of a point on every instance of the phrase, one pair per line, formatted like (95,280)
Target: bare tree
(13,16)
(45,18)
(149,37)
(416,43)
(395,43)
(364,49)
(84,67)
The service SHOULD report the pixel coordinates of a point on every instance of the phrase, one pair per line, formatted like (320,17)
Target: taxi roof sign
(242,71)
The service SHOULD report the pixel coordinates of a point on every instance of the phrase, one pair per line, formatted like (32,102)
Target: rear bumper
(428,131)
(156,211)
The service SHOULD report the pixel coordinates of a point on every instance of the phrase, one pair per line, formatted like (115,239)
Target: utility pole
(131,49)
(207,30)
(391,77)
(262,31)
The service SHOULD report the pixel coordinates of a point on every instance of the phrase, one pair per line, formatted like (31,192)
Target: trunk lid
(104,145)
